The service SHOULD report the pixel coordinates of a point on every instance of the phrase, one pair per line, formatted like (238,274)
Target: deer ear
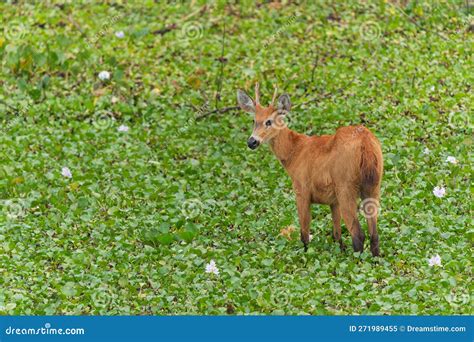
(284,103)
(245,102)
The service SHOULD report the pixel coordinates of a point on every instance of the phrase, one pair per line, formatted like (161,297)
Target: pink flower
(212,268)
(439,191)
(452,160)
(435,260)
(66,172)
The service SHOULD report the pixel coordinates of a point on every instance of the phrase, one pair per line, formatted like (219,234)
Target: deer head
(269,120)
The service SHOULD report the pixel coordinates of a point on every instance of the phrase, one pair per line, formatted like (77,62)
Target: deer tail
(370,163)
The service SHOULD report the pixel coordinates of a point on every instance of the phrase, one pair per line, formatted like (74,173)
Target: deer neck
(284,145)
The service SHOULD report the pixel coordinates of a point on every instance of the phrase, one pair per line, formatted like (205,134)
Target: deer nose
(253,143)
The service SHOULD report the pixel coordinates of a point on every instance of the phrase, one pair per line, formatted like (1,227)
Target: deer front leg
(336,220)
(304,214)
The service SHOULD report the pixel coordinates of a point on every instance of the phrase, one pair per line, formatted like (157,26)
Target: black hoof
(374,246)
(358,243)
(342,246)
(375,251)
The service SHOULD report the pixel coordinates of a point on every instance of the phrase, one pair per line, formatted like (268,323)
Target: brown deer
(330,169)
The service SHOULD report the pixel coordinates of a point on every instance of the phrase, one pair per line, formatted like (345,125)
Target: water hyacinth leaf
(165,239)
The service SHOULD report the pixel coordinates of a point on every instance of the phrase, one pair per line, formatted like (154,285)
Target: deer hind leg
(370,208)
(304,214)
(348,206)
(374,236)
(336,220)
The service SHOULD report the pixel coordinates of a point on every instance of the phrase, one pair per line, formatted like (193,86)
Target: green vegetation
(145,211)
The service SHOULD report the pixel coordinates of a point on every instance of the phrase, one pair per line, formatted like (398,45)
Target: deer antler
(274,95)
(257,93)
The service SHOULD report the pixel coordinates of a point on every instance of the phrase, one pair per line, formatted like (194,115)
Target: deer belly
(323,195)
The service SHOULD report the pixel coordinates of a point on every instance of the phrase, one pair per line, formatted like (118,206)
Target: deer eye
(268,123)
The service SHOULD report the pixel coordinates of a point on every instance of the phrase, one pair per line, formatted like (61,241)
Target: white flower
(114,99)
(426,150)
(432,88)
(439,191)
(212,268)
(435,260)
(452,160)
(66,172)
(119,34)
(310,237)
(122,128)
(104,75)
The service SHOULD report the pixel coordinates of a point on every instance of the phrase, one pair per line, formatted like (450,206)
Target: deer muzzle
(253,143)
